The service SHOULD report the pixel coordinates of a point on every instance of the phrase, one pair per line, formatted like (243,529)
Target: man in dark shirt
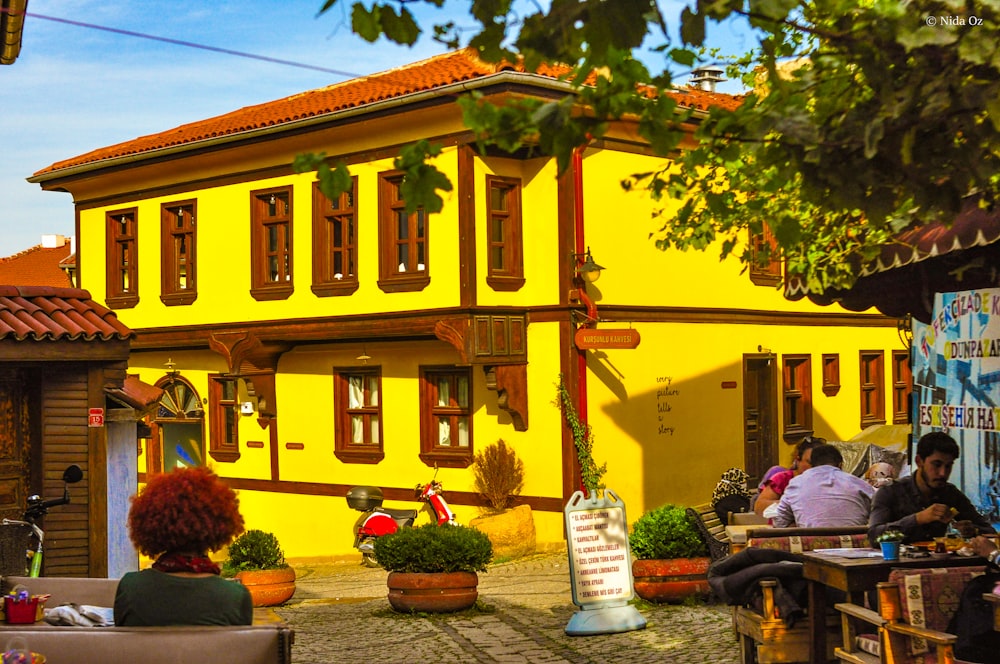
(922,505)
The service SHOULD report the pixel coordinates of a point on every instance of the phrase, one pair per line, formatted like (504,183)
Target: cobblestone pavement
(340,614)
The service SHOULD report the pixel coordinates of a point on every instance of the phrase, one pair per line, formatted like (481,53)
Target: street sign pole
(600,565)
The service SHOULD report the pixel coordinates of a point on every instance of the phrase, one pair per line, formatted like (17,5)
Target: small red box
(21,612)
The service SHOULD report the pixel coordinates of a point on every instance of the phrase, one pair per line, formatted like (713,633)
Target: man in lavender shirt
(825,495)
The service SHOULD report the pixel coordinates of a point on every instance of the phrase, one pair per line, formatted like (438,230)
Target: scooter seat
(398,513)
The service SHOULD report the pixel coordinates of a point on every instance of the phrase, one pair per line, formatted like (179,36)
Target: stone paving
(340,614)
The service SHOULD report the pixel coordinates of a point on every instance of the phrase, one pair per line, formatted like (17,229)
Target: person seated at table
(177,519)
(922,504)
(824,495)
(731,494)
(973,620)
(770,494)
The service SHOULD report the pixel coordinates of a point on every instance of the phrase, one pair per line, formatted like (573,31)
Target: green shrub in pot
(254,550)
(664,533)
(431,548)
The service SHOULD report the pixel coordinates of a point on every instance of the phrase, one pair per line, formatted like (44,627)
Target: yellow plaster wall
(223,255)
(667,427)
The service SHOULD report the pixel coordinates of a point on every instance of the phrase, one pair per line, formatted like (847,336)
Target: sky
(76,88)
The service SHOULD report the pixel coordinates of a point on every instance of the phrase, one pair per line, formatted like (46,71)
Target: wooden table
(855,576)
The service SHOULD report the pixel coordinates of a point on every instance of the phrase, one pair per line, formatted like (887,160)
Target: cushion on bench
(800,543)
(930,597)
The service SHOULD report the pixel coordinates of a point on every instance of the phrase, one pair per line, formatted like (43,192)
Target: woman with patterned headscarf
(731,494)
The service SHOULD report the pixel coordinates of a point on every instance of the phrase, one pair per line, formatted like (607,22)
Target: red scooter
(376,521)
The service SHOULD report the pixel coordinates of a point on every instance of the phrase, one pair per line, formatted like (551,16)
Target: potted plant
(671,559)
(499,477)
(433,568)
(257,561)
(890,541)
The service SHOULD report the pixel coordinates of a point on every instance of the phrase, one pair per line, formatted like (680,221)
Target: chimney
(707,77)
(53,241)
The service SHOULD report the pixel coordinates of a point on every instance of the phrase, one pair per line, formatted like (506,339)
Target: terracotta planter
(269,587)
(442,592)
(670,580)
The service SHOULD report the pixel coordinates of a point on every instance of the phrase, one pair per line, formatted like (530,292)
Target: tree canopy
(865,116)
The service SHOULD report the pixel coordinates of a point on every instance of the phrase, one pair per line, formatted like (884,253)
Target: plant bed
(671,556)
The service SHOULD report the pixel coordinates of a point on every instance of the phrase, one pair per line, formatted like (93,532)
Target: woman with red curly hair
(177,519)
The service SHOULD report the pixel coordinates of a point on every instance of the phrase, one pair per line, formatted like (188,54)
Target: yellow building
(307,346)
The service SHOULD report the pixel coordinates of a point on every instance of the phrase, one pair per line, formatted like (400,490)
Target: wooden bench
(712,530)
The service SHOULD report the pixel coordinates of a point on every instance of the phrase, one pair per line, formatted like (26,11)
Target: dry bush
(499,475)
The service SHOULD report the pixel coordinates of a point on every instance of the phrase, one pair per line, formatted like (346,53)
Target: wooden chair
(914,608)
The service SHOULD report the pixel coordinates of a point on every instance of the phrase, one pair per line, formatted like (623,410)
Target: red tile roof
(37,266)
(55,314)
(427,75)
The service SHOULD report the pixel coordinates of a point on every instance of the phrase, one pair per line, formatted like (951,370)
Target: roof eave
(491,80)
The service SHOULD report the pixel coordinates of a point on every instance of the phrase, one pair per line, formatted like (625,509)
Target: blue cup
(890,550)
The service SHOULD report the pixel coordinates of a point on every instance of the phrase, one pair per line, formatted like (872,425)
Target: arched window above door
(178,438)
(180,401)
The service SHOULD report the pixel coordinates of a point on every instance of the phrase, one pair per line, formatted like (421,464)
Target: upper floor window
(797,396)
(902,381)
(446,416)
(872,388)
(404,246)
(271,243)
(505,260)
(357,395)
(223,414)
(122,258)
(335,243)
(178,283)
(765,258)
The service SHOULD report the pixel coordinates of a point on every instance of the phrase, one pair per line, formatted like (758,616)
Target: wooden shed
(63,390)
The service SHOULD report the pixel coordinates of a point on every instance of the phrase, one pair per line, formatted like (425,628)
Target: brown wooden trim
(466,226)
(255,444)
(324,283)
(390,199)
(646,314)
(397,325)
(568,357)
(12,350)
(272,428)
(223,445)
(877,415)
(343,448)
(431,453)
(295,446)
(512,278)
(115,296)
(262,288)
(404,494)
(97,478)
(831,373)
(796,369)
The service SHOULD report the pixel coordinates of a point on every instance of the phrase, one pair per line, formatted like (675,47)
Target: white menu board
(600,563)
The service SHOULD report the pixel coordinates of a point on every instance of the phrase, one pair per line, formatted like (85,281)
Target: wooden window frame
(327,243)
(431,452)
(769,274)
(345,448)
(510,275)
(223,436)
(262,220)
(871,365)
(122,250)
(831,374)
(390,203)
(796,396)
(177,224)
(902,386)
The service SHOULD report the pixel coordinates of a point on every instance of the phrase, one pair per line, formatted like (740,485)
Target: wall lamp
(586,268)
(171,367)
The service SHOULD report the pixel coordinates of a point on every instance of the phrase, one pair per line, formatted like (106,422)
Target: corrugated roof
(436,72)
(922,261)
(45,313)
(37,266)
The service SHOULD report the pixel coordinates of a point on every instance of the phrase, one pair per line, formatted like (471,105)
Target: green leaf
(365,23)
(692,27)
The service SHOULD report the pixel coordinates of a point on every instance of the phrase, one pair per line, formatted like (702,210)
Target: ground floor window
(357,395)
(177,439)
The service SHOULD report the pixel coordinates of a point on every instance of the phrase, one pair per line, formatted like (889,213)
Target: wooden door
(15,433)
(760,415)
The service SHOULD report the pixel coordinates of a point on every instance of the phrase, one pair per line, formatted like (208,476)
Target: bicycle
(37,508)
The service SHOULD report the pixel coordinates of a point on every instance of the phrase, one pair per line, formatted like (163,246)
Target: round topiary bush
(664,533)
(432,548)
(254,550)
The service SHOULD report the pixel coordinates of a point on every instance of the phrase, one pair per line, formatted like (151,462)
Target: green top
(153,598)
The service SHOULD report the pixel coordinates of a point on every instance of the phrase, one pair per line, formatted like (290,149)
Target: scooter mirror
(72,474)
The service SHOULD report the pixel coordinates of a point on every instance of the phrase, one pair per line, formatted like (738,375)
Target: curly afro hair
(186,510)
